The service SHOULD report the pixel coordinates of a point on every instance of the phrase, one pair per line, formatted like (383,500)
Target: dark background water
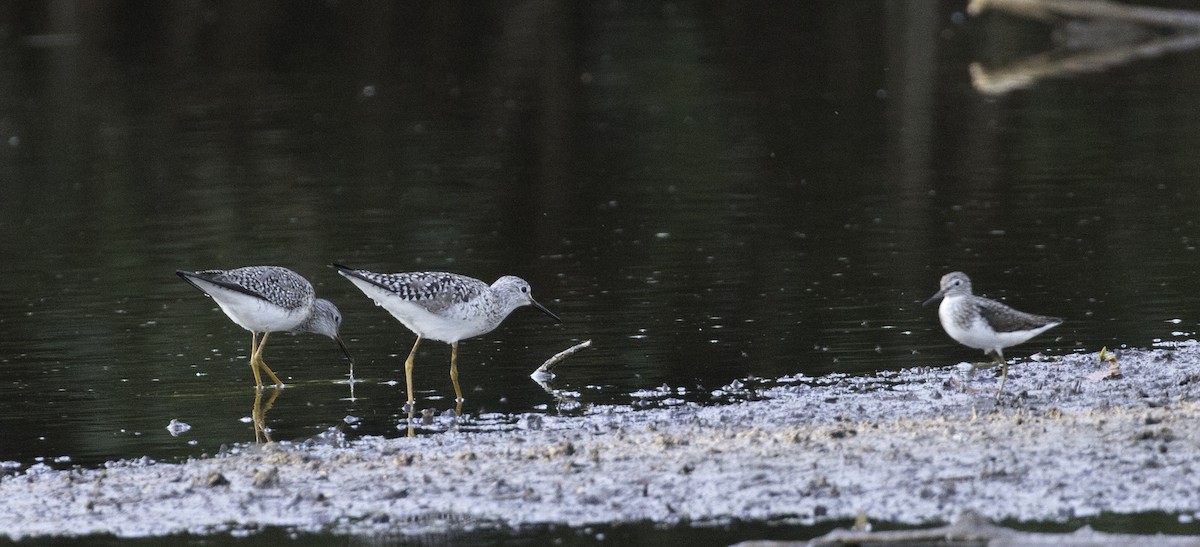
(707,191)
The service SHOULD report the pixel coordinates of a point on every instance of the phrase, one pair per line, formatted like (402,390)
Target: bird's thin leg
(258,415)
(411,433)
(454,372)
(961,385)
(263,364)
(408,366)
(984,365)
(1003,373)
(258,385)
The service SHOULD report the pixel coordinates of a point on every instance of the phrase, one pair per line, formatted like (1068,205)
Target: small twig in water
(544,370)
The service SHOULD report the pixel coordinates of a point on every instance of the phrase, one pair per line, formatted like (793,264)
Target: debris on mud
(914,447)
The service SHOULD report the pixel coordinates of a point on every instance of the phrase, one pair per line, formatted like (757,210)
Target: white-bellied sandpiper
(442,306)
(982,323)
(266,299)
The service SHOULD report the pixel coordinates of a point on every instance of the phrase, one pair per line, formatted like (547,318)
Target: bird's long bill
(345,350)
(934,298)
(543,309)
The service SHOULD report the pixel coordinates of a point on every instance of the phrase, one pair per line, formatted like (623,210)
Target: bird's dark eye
(524,289)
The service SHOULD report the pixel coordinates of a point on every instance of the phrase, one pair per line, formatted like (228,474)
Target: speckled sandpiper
(266,299)
(443,306)
(982,323)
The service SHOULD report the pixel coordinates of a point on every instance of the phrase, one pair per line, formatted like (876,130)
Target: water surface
(708,193)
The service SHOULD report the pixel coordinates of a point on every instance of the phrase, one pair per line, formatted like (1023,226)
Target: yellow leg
(1003,373)
(979,366)
(262,364)
(258,415)
(254,361)
(411,413)
(1003,378)
(408,366)
(454,372)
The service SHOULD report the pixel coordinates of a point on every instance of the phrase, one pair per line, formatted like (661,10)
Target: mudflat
(916,446)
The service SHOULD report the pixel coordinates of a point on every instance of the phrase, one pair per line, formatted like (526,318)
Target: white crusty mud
(906,447)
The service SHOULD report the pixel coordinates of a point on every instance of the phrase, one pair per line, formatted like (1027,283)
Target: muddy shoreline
(907,447)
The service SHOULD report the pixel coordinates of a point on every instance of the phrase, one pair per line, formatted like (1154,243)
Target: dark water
(706,191)
(640,533)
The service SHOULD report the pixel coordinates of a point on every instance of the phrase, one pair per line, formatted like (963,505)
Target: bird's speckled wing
(275,284)
(1005,319)
(434,291)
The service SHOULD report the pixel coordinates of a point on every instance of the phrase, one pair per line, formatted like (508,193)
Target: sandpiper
(266,299)
(442,306)
(982,323)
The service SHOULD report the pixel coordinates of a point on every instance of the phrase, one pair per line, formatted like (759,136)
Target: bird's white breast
(448,325)
(977,333)
(253,313)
